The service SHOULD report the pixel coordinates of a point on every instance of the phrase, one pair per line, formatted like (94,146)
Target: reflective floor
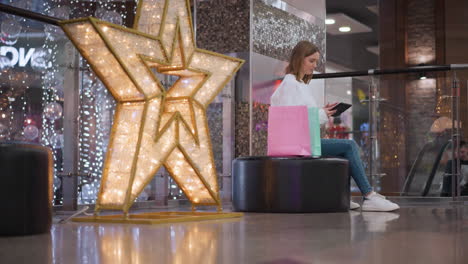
(415,234)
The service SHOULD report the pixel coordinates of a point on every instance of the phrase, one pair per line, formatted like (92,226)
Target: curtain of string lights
(35,55)
(96,104)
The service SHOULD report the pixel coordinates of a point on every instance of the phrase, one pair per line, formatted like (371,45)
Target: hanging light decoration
(10,31)
(31,132)
(53,111)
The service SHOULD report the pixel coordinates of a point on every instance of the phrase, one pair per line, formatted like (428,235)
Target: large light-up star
(153,127)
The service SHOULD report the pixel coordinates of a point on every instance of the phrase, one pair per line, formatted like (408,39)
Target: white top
(292,93)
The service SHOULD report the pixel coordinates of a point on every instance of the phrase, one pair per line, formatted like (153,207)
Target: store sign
(18,56)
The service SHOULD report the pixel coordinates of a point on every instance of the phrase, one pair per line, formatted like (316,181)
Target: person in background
(463,181)
(294,90)
(337,130)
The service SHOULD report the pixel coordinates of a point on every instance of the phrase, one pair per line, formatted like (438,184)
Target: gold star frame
(154,127)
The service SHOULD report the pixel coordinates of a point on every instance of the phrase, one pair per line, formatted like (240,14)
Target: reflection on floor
(414,234)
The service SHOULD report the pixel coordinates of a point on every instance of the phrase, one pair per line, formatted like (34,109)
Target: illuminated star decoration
(154,127)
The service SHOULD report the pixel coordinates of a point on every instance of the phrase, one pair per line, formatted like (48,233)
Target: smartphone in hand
(340,108)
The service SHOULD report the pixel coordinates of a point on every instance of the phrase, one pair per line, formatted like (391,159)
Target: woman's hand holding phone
(328,108)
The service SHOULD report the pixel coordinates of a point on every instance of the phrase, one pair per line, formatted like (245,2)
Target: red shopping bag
(288,131)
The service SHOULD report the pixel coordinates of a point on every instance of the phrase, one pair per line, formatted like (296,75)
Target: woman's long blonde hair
(300,51)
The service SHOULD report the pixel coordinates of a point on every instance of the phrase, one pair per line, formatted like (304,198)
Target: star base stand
(157,217)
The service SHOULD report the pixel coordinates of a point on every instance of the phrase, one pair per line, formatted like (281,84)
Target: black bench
(290,184)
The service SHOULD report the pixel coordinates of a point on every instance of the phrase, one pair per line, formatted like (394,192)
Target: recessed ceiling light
(344,29)
(329,21)
(422,76)
(343,20)
(348,92)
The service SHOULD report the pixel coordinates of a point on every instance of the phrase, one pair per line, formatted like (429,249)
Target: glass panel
(441,184)
(267,74)
(45,85)
(413,118)
(414,132)
(353,124)
(32,78)
(41,76)
(96,114)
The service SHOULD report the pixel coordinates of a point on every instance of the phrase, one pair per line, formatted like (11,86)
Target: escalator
(426,175)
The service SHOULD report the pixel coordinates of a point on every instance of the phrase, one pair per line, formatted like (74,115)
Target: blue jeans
(349,150)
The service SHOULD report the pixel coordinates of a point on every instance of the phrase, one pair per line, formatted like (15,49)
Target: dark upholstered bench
(290,184)
(25,189)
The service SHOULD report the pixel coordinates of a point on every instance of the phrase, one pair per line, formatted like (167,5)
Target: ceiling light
(422,75)
(344,29)
(329,21)
(343,20)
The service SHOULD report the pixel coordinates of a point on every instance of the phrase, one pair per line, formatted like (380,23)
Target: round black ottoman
(25,189)
(290,184)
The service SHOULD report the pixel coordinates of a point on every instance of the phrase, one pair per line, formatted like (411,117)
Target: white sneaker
(379,195)
(353,205)
(377,203)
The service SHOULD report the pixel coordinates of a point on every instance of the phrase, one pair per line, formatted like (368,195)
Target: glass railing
(404,124)
(35,65)
(49,95)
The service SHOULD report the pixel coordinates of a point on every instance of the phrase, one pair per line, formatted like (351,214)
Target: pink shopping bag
(288,131)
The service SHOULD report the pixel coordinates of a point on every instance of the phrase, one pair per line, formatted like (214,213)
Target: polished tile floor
(415,234)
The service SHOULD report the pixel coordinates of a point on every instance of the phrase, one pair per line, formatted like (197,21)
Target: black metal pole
(453,172)
(429,68)
(389,71)
(371,132)
(28,14)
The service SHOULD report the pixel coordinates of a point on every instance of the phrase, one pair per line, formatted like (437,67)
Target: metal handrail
(370,72)
(29,14)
